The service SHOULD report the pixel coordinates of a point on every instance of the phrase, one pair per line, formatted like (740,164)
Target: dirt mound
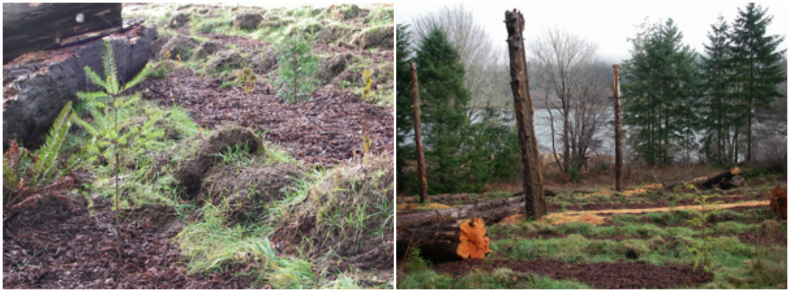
(225,60)
(264,61)
(178,47)
(194,169)
(621,275)
(55,244)
(341,195)
(333,66)
(247,21)
(378,36)
(207,48)
(179,20)
(247,190)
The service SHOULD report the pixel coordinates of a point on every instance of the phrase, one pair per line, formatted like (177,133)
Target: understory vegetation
(332,226)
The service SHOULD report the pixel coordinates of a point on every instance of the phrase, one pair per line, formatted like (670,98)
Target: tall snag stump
(447,240)
(618,130)
(522,101)
(415,93)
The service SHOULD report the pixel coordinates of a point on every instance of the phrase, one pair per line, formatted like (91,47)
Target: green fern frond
(48,154)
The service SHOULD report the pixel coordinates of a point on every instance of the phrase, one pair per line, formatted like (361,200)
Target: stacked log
(447,240)
(489,211)
(779,203)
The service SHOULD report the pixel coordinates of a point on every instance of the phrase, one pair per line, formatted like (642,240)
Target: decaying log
(489,211)
(463,198)
(726,180)
(31,27)
(535,202)
(447,240)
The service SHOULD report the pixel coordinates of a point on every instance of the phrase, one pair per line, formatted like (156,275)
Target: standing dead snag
(522,100)
(415,93)
(447,240)
(618,130)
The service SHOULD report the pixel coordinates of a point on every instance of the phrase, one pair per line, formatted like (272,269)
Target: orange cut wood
(474,242)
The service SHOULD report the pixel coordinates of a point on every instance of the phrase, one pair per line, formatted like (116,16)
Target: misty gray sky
(608,24)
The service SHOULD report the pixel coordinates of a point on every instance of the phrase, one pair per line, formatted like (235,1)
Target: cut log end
(447,240)
(473,240)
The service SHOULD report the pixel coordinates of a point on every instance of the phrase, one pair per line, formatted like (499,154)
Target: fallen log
(447,240)
(452,198)
(489,211)
(726,180)
(31,27)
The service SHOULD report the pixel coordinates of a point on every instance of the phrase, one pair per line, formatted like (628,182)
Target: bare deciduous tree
(574,92)
(472,42)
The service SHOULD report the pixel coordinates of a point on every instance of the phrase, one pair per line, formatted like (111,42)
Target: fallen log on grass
(488,211)
(450,198)
(447,241)
(726,180)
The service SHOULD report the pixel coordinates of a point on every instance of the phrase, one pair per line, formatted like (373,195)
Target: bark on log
(489,211)
(535,203)
(31,27)
(446,241)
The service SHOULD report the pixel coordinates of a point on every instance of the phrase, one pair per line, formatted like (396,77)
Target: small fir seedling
(112,136)
(701,249)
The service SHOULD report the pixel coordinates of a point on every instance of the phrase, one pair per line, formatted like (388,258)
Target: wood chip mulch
(55,244)
(326,130)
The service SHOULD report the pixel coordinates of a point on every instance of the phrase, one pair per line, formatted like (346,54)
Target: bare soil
(621,275)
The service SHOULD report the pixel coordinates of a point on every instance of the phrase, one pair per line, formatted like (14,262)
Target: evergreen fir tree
(659,94)
(718,107)
(757,66)
(444,99)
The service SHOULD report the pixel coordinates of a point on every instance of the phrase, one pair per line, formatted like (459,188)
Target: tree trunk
(535,202)
(618,131)
(489,211)
(29,27)
(415,93)
(446,241)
